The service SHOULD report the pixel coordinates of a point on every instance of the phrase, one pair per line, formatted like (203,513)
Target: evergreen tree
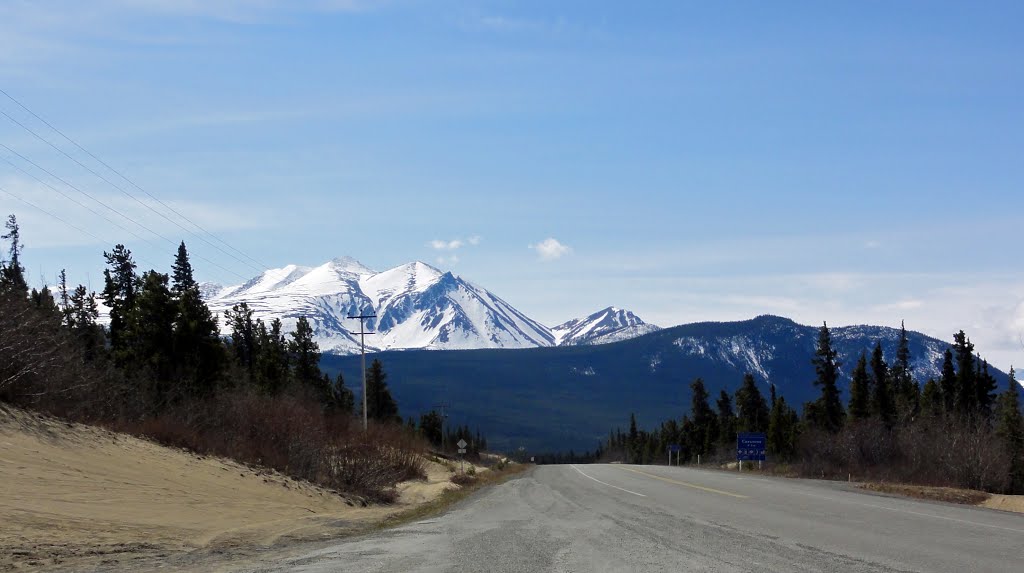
(379,403)
(119,290)
(83,316)
(272,357)
(904,387)
(949,384)
(64,300)
(932,401)
(342,398)
(751,409)
(432,427)
(243,336)
(726,420)
(1010,428)
(827,413)
(182,280)
(882,395)
(966,391)
(781,430)
(149,336)
(986,386)
(304,355)
(860,400)
(12,273)
(198,352)
(704,423)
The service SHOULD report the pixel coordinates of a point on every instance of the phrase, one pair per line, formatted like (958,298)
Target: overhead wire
(114,185)
(76,188)
(131,182)
(62,220)
(262,267)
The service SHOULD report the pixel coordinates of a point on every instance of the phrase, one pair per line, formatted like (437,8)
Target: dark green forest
(954,431)
(162,370)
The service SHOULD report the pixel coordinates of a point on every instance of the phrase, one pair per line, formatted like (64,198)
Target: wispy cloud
(448,260)
(551,249)
(439,245)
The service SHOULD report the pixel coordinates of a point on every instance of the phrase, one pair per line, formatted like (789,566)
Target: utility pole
(444,420)
(362,344)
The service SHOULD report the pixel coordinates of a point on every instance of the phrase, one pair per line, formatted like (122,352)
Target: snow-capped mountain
(604,326)
(417,306)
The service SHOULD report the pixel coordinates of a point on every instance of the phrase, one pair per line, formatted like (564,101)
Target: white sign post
(462,452)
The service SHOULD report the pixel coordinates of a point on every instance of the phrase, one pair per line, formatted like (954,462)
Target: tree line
(162,368)
(954,430)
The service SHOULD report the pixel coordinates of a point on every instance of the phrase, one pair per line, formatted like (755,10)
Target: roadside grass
(452,496)
(947,494)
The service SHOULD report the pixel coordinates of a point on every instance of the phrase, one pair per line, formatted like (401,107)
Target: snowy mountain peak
(417,306)
(350,265)
(607,325)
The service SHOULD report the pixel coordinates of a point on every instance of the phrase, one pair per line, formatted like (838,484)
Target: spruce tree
(751,409)
(633,454)
(1010,429)
(966,391)
(985,385)
(827,413)
(860,399)
(379,403)
(726,419)
(304,355)
(272,363)
(903,381)
(198,352)
(948,383)
(932,402)
(119,290)
(704,423)
(781,430)
(12,273)
(432,426)
(149,336)
(243,336)
(342,398)
(882,395)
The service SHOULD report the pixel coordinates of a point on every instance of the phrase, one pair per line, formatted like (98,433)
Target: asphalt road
(591,518)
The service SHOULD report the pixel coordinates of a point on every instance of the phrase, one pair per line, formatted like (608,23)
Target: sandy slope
(77,496)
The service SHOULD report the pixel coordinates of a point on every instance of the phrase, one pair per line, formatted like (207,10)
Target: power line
(62,220)
(75,201)
(165,205)
(62,180)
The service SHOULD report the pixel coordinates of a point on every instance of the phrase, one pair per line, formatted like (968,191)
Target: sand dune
(74,496)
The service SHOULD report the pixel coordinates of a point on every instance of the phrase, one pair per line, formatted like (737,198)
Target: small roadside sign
(462,444)
(462,450)
(751,446)
(675,448)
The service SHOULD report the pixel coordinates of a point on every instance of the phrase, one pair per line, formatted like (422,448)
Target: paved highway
(591,518)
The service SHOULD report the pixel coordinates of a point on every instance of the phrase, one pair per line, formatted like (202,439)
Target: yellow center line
(685,484)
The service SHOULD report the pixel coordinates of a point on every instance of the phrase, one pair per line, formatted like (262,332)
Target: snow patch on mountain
(604,326)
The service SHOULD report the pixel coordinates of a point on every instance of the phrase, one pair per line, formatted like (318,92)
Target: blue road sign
(675,448)
(751,446)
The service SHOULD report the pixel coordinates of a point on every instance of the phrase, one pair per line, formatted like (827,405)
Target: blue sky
(852,162)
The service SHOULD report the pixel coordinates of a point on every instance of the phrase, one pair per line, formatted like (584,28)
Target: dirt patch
(1005,502)
(75,496)
(947,494)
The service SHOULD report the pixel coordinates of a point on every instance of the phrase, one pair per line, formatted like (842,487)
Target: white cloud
(439,245)
(454,244)
(550,249)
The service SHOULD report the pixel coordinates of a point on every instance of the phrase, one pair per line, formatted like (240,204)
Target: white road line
(911,512)
(603,483)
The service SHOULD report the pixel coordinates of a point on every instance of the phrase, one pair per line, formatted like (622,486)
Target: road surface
(591,518)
